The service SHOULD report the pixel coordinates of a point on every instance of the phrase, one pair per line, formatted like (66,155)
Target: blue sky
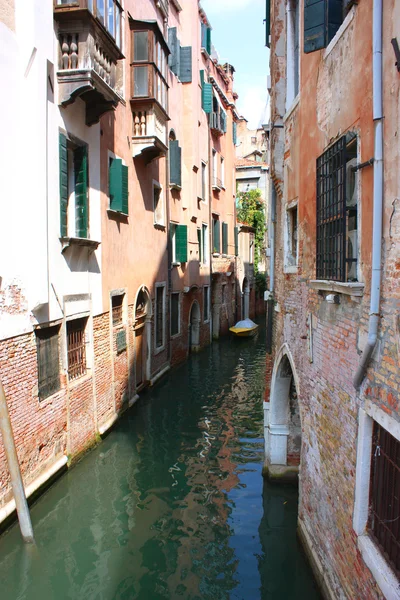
(239,38)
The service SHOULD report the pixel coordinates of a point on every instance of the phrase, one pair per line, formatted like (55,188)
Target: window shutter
(199,242)
(223,121)
(115,184)
(206,97)
(224,238)
(204,35)
(125,190)
(216,237)
(267,22)
(63,160)
(236,241)
(175,160)
(185,73)
(173,43)
(81,192)
(234,127)
(208,40)
(181,243)
(322,19)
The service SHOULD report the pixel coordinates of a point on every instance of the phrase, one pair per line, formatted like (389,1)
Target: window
(76,348)
(291,236)
(337,248)
(206,94)
(234,133)
(158,204)
(149,64)
(117,303)
(48,360)
(384,516)
(216,182)
(118,186)
(74,188)
(206,303)
(175,313)
(222,172)
(254,140)
(108,12)
(322,19)
(216,236)
(160,315)
(206,38)
(224,238)
(179,238)
(175,162)
(204,182)
(204,241)
(292,51)
(180,59)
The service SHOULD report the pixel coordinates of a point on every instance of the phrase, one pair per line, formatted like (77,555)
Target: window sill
(159,226)
(292,108)
(379,568)
(67,242)
(80,380)
(350,289)
(117,214)
(159,350)
(205,53)
(176,264)
(291,269)
(348,19)
(175,186)
(216,254)
(175,335)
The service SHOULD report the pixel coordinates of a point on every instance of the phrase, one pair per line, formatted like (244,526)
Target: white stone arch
(142,319)
(279,422)
(194,326)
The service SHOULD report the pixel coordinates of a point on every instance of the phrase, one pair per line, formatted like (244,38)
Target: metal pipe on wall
(377,83)
(15,472)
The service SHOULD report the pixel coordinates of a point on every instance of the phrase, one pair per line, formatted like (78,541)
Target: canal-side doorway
(282,421)
(194,327)
(142,327)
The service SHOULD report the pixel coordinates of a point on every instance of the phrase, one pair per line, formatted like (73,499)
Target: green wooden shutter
(175,163)
(223,120)
(63,161)
(199,242)
(181,242)
(125,190)
(173,43)
(216,237)
(206,97)
(267,22)
(224,238)
(115,184)
(322,19)
(203,35)
(185,71)
(236,241)
(234,127)
(208,40)
(81,192)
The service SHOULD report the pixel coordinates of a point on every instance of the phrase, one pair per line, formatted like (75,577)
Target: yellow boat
(244,328)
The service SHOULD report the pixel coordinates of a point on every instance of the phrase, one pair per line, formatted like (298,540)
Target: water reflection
(172,504)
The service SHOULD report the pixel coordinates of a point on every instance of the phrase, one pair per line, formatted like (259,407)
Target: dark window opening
(76,348)
(159,317)
(206,307)
(48,359)
(292,227)
(117,308)
(384,513)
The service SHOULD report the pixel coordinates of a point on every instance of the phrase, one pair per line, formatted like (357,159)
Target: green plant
(261,283)
(250,211)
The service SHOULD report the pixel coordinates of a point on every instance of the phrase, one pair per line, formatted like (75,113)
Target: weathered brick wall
(103,367)
(179,344)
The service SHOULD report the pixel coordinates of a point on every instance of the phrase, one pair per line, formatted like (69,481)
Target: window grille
(76,348)
(331,212)
(384,516)
(48,361)
(159,316)
(117,303)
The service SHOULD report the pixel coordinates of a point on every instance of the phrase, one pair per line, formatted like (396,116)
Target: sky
(239,38)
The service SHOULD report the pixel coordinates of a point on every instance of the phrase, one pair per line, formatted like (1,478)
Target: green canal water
(172,504)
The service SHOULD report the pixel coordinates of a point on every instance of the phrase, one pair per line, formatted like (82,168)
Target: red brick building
(332,407)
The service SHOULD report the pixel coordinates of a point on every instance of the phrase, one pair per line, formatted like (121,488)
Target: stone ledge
(281,474)
(350,289)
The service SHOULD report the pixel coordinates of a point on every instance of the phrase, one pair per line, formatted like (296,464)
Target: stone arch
(283,419)
(194,327)
(143,312)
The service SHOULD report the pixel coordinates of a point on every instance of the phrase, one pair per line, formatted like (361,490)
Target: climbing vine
(250,211)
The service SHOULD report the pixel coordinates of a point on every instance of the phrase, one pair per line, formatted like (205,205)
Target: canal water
(172,504)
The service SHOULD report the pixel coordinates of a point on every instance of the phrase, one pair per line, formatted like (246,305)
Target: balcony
(163,6)
(217,184)
(149,131)
(87,64)
(216,123)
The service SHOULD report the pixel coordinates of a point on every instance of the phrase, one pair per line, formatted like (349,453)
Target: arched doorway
(245,298)
(283,422)
(194,327)
(142,329)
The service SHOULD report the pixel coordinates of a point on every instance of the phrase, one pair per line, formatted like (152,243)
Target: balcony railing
(87,66)
(149,131)
(217,184)
(216,123)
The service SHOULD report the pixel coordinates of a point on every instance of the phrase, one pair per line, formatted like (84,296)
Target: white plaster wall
(29,188)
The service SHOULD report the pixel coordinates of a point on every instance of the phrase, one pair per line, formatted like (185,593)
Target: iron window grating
(159,317)
(384,510)
(48,361)
(76,348)
(331,212)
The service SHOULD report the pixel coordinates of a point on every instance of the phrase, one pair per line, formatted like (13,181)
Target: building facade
(115,286)
(332,404)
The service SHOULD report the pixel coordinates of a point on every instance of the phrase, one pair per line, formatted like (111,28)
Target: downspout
(270,302)
(378,193)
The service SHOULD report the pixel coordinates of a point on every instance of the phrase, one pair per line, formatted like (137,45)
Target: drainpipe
(378,193)
(270,302)
(15,472)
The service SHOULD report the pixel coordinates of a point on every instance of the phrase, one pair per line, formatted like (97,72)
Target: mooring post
(15,472)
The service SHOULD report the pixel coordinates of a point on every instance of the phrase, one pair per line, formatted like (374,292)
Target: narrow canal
(172,504)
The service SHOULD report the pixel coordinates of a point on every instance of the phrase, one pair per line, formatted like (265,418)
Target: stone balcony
(87,61)
(149,130)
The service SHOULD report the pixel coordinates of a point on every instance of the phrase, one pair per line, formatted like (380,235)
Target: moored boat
(245,328)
